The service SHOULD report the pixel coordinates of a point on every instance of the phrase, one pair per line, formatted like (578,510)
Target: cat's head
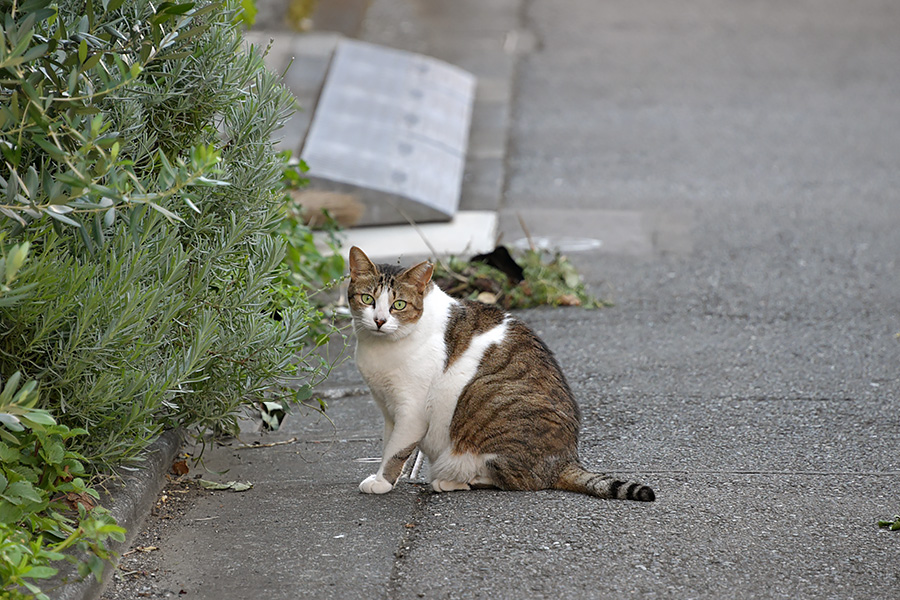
(386,300)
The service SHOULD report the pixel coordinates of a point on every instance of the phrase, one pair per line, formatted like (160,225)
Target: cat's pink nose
(380,322)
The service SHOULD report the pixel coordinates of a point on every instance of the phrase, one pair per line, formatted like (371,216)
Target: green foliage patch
(142,281)
(548,279)
(139,170)
(309,268)
(47,508)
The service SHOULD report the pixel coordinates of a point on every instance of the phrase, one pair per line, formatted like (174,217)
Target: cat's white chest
(401,372)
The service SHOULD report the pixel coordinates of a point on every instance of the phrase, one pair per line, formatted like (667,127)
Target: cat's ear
(420,275)
(359,263)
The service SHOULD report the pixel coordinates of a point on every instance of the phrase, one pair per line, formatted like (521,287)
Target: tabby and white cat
(474,388)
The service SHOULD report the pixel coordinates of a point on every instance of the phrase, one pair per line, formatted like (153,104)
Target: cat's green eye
(399,304)
(367,299)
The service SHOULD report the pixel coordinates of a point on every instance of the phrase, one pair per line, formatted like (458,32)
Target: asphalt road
(736,164)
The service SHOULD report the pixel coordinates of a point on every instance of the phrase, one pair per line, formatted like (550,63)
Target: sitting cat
(474,388)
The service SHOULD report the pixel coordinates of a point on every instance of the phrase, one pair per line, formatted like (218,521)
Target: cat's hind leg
(454,472)
(476,483)
(446,485)
(482,482)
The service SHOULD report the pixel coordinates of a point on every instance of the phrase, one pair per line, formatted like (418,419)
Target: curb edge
(129,502)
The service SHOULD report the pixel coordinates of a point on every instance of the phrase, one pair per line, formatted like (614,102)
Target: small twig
(127,573)
(270,445)
(431,248)
(143,549)
(527,233)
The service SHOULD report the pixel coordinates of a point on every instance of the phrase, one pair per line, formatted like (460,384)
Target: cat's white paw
(375,485)
(445,485)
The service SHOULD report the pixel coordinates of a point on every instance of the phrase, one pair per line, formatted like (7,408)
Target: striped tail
(574,478)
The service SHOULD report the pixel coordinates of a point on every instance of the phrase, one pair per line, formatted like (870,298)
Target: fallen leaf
(487,298)
(235,486)
(483,284)
(569,300)
(67,477)
(73,499)
(180,467)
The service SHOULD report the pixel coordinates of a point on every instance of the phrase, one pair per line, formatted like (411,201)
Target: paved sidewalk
(737,163)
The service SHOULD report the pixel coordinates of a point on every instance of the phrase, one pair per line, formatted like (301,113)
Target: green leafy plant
(66,156)
(140,197)
(547,279)
(11,261)
(138,173)
(310,273)
(42,481)
(47,509)
(893,525)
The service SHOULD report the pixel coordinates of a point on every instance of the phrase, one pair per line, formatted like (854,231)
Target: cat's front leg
(405,435)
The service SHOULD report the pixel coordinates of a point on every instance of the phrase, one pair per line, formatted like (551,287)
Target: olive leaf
(235,486)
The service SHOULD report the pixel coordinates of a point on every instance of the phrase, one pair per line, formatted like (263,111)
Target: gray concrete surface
(738,162)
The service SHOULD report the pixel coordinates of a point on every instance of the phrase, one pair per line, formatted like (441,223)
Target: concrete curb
(129,502)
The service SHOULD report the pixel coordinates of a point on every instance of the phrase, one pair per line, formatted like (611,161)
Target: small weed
(307,273)
(893,525)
